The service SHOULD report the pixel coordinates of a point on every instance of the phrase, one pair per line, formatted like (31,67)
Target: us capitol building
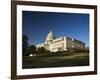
(64,43)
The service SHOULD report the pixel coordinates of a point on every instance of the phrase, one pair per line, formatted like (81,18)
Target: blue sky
(36,25)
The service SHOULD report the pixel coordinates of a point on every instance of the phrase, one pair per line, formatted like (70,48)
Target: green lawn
(76,59)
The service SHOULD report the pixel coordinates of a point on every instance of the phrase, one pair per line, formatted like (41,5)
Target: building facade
(65,43)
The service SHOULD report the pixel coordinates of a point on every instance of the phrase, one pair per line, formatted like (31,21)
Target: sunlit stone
(63,43)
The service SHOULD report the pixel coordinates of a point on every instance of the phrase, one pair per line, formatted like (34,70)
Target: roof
(50,36)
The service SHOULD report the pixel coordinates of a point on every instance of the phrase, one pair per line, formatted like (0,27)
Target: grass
(76,59)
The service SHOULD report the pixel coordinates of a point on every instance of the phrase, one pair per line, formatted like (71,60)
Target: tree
(25,45)
(32,49)
(41,50)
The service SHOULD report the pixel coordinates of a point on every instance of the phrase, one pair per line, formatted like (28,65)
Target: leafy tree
(25,45)
(41,50)
(32,49)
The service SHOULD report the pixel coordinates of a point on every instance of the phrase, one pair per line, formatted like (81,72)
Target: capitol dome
(50,36)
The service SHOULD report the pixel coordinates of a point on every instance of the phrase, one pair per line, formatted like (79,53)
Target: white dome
(50,36)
